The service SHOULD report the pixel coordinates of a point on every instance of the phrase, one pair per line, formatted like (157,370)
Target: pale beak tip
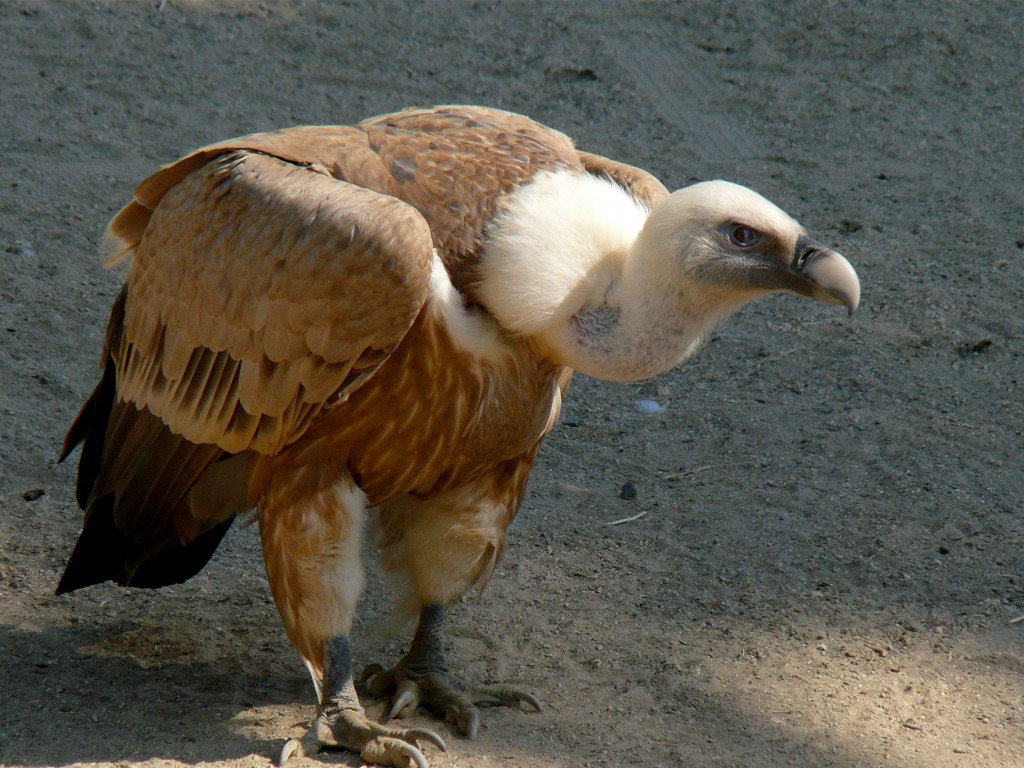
(852,301)
(836,277)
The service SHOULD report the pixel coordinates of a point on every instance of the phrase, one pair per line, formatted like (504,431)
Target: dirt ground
(825,565)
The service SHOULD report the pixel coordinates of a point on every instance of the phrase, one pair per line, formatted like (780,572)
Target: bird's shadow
(69,703)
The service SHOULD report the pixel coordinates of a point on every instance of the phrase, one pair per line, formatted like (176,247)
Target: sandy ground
(830,558)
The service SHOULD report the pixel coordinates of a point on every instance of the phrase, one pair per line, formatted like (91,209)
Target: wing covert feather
(639,183)
(260,289)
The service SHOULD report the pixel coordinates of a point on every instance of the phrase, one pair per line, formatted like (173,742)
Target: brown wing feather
(256,291)
(259,291)
(340,150)
(639,183)
(451,163)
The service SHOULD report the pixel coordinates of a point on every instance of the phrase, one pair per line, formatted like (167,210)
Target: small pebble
(648,406)
(628,491)
(32,495)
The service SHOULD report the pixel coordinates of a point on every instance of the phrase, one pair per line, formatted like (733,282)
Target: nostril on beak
(805,256)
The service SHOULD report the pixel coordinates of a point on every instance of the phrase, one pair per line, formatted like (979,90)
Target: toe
(468,722)
(503,696)
(449,702)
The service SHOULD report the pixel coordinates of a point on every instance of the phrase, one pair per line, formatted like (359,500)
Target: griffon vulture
(321,320)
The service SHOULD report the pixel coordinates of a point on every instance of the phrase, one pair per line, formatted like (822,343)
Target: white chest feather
(471,331)
(557,247)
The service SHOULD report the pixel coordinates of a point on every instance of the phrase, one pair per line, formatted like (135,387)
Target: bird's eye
(743,236)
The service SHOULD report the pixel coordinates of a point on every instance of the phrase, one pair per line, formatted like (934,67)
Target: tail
(145,525)
(102,554)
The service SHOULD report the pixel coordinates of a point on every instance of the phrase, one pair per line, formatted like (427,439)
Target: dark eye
(743,236)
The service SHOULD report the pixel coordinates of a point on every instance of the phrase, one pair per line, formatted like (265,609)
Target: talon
(427,735)
(290,748)
(505,696)
(464,716)
(385,749)
(402,700)
(307,746)
(530,699)
(414,754)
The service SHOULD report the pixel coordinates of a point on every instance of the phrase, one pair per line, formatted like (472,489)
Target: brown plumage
(325,319)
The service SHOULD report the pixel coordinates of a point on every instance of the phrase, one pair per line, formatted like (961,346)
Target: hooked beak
(830,277)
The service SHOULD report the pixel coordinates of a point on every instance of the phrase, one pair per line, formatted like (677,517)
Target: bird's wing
(639,183)
(328,149)
(260,292)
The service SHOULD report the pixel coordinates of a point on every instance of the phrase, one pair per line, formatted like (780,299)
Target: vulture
(324,320)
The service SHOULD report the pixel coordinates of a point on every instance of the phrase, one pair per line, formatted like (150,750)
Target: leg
(311,531)
(442,547)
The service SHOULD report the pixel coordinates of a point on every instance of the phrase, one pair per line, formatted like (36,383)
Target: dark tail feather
(129,536)
(179,562)
(90,428)
(104,554)
(133,476)
(96,556)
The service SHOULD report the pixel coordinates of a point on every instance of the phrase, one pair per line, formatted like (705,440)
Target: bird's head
(725,244)
(619,293)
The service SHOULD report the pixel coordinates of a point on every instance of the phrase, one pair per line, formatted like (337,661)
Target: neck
(643,325)
(578,266)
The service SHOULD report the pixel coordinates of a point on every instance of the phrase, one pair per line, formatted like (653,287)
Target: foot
(422,677)
(341,722)
(340,725)
(446,696)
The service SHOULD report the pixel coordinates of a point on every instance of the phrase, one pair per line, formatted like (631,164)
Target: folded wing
(261,292)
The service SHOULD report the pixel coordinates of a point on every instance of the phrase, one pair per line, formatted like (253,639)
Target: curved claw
(427,735)
(402,700)
(382,751)
(530,699)
(291,747)
(307,746)
(413,754)
(503,695)
(463,714)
